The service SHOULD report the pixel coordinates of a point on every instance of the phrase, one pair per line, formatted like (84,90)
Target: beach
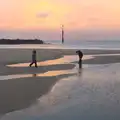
(28,87)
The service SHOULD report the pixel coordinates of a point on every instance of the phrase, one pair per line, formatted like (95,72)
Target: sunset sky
(83,19)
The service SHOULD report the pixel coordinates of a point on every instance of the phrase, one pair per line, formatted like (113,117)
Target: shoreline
(54,47)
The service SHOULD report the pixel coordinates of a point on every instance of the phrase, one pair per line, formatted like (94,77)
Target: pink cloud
(43,15)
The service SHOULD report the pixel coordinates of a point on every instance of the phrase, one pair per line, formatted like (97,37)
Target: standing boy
(80,54)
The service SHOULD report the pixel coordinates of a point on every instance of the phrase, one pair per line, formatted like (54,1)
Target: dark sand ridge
(103,60)
(21,93)
(28,70)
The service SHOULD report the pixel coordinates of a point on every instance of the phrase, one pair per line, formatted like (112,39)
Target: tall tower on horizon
(62,34)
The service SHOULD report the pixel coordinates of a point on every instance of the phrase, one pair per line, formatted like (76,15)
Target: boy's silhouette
(80,54)
(34,61)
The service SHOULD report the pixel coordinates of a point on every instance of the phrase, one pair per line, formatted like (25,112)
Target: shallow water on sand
(93,93)
(63,60)
(68,59)
(45,74)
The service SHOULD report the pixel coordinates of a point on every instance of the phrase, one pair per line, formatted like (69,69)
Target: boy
(80,54)
(34,61)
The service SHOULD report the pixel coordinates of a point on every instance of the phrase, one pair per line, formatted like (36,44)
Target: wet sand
(20,93)
(15,56)
(90,95)
(11,56)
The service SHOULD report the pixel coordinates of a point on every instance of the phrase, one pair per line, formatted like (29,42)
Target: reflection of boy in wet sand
(34,61)
(34,75)
(80,54)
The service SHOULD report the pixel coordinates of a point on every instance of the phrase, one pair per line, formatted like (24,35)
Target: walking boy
(34,61)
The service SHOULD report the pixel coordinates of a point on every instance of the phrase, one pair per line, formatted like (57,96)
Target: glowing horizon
(44,15)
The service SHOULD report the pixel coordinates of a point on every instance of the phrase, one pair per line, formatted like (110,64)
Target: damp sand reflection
(46,74)
(65,59)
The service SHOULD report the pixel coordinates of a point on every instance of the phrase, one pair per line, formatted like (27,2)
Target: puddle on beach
(46,74)
(63,60)
(51,73)
(55,73)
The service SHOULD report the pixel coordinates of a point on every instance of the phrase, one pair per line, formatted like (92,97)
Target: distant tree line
(21,41)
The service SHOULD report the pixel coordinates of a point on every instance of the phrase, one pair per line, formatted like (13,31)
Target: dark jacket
(80,54)
(34,56)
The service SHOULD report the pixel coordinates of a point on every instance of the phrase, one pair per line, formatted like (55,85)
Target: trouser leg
(80,63)
(35,63)
(31,64)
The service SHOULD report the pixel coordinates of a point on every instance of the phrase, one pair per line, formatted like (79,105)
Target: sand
(13,56)
(21,93)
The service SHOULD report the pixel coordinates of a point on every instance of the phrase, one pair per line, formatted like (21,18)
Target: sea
(90,44)
(71,44)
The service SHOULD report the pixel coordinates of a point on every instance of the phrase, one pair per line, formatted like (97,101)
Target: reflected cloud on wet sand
(46,74)
(66,59)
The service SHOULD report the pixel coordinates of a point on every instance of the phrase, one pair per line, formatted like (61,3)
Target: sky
(82,19)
